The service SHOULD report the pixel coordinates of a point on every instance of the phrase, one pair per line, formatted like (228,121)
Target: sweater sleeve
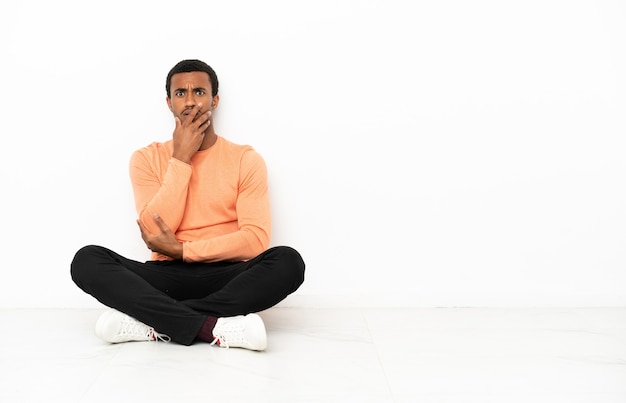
(253,219)
(157,192)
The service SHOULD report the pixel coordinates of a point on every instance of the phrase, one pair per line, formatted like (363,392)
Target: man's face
(188,90)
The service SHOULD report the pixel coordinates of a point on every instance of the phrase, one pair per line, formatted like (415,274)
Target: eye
(179,93)
(200,92)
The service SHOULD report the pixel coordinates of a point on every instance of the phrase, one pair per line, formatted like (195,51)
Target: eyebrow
(194,89)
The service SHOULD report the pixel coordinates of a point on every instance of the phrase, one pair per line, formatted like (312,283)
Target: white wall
(426,153)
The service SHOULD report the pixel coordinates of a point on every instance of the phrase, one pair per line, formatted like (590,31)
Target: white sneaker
(115,327)
(241,331)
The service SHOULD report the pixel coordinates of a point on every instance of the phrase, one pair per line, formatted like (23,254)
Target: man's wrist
(179,251)
(182,159)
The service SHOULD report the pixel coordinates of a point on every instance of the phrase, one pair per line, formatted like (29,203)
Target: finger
(195,112)
(201,117)
(162,226)
(189,115)
(204,126)
(204,120)
(198,112)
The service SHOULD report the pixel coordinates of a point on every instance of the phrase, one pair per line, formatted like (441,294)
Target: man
(204,212)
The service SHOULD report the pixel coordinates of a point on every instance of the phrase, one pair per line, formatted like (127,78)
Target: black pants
(175,297)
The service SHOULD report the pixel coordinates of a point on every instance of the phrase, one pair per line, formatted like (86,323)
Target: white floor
(329,355)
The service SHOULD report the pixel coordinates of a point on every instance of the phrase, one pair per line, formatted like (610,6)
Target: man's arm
(166,196)
(155,193)
(164,243)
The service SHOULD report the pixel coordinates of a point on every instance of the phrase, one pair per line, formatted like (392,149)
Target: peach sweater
(218,205)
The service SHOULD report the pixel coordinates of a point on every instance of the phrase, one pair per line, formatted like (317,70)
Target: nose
(190,99)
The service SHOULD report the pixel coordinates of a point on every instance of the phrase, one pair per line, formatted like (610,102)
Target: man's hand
(164,243)
(189,132)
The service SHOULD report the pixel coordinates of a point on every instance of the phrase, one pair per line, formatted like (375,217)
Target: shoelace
(134,328)
(221,341)
(159,336)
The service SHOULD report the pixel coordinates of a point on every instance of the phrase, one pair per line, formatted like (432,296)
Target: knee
(293,263)
(83,263)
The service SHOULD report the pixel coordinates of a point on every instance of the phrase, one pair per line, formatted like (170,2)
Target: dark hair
(188,66)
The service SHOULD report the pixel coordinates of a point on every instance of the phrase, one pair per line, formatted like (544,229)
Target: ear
(216,101)
(169,103)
